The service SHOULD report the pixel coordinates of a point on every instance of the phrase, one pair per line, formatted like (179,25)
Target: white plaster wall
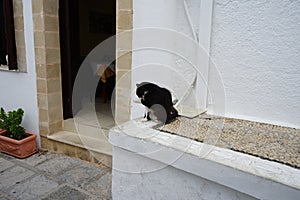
(18,90)
(149,64)
(166,182)
(255,46)
(254,53)
(173,60)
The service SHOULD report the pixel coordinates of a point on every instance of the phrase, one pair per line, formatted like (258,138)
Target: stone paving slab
(52,176)
(67,192)
(82,174)
(14,175)
(57,165)
(37,159)
(5,164)
(97,188)
(33,188)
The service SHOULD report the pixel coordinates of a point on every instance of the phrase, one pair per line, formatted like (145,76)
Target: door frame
(70,51)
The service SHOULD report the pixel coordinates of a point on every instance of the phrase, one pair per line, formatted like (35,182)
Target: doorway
(83,25)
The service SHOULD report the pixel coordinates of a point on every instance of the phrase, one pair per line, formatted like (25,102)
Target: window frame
(9,35)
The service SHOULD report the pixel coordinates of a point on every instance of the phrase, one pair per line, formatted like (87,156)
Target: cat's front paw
(144,120)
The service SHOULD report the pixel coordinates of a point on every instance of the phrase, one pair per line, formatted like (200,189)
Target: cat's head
(144,87)
(141,89)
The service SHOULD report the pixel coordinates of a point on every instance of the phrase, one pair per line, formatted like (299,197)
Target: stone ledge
(259,178)
(272,142)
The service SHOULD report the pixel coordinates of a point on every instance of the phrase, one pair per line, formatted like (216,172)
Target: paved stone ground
(52,176)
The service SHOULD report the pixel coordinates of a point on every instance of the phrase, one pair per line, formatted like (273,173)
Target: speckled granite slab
(267,141)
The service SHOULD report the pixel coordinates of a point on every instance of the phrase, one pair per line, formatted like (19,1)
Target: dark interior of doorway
(83,25)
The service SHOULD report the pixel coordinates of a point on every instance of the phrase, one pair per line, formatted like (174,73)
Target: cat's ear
(138,85)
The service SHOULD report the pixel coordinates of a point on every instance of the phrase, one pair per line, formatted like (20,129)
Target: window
(8,53)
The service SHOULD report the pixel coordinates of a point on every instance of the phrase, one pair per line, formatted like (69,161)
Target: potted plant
(14,140)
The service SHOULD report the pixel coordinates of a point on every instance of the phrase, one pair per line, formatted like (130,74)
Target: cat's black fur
(158,100)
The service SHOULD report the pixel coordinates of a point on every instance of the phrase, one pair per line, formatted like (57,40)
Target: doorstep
(82,141)
(89,143)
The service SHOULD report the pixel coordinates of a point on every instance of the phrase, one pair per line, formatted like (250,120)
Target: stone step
(82,141)
(85,129)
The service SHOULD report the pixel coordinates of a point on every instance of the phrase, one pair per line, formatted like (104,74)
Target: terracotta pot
(18,148)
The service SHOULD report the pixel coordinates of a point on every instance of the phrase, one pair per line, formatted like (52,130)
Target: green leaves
(11,123)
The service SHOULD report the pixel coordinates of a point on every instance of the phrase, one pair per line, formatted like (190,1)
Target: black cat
(158,101)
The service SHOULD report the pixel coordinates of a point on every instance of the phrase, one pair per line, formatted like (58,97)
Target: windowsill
(242,172)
